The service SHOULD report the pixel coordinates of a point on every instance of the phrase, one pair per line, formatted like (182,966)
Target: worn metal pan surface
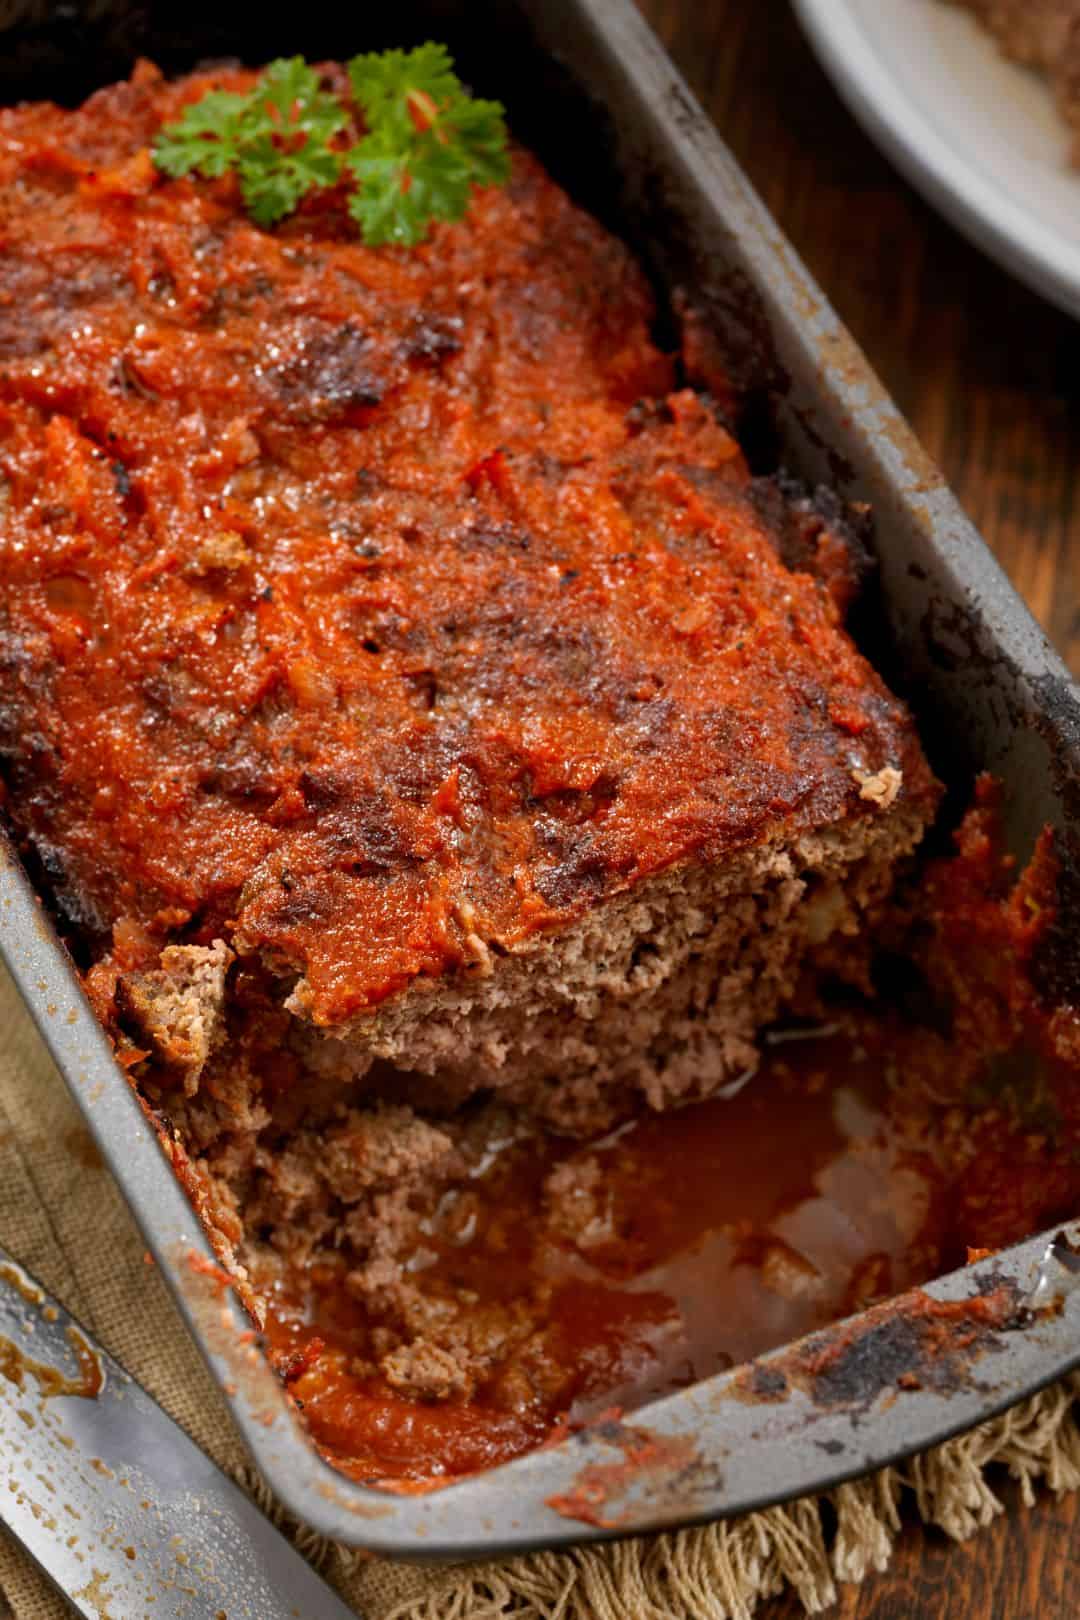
(587,86)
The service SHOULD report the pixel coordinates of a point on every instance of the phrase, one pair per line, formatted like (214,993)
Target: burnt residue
(1066,1253)
(817,533)
(762,1381)
(914,1342)
(318,373)
(841,471)
(655,1476)
(432,338)
(727,350)
(890,1354)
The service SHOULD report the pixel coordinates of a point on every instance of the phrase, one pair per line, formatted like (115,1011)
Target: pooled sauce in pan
(721,1231)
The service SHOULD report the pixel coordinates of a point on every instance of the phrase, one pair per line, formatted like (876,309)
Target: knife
(120,1509)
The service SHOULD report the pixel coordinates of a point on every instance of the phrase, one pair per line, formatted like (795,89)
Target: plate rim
(975,203)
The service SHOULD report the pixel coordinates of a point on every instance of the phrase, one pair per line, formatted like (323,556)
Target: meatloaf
(407,694)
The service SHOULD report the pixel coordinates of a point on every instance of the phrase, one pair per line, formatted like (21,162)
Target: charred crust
(817,533)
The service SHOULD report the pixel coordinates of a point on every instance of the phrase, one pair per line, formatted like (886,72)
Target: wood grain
(989,377)
(987,374)
(1025,1567)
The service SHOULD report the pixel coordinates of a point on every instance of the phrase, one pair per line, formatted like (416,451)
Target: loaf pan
(588,87)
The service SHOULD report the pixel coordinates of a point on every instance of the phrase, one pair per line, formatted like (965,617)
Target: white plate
(979,136)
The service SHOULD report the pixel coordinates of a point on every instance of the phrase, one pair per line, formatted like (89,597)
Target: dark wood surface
(987,374)
(989,377)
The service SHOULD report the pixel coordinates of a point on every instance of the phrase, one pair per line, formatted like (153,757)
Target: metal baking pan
(587,85)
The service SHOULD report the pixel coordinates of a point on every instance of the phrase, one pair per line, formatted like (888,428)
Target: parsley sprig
(426,142)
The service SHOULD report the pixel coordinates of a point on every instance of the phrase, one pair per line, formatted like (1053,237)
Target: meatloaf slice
(660,991)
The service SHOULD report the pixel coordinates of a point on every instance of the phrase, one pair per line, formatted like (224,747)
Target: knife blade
(118,1506)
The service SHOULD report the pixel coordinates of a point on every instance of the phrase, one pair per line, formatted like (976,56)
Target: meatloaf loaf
(406,691)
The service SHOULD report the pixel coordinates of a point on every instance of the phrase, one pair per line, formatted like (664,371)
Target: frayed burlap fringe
(723,1571)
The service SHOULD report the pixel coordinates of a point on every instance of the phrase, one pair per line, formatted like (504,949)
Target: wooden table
(989,377)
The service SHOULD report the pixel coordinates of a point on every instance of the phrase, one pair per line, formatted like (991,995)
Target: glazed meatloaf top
(359,605)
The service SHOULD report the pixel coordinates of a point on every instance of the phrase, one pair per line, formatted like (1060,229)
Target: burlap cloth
(62,1217)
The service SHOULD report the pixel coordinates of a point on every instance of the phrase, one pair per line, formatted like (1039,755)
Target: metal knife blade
(113,1500)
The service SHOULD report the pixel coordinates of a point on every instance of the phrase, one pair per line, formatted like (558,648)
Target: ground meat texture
(179,1007)
(579,1204)
(366,1176)
(425,1370)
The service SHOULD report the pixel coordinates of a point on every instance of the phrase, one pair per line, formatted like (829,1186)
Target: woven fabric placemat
(62,1217)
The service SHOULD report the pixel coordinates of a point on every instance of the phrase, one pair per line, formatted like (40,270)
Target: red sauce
(343,583)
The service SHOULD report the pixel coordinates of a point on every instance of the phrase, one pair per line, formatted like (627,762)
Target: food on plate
(444,753)
(1043,34)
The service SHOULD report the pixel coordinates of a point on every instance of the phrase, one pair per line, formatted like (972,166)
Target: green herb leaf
(479,134)
(204,138)
(276,139)
(381,80)
(381,207)
(427,142)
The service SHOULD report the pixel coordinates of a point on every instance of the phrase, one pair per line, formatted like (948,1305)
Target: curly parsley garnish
(426,142)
